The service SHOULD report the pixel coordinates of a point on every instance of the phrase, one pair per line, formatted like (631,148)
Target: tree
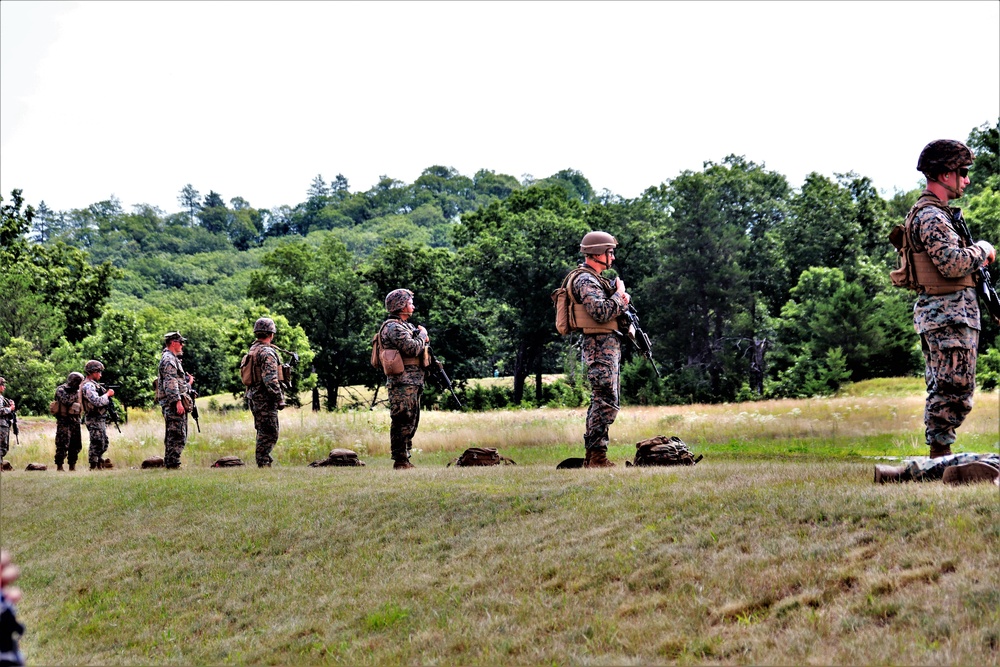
(189,200)
(517,251)
(130,356)
(30,377)
(320,290)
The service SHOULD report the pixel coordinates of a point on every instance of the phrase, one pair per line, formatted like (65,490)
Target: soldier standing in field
(597,304)
(403,346)
(95,411)
(68,406)
(173,393)
(7,409)
(946,313)
(264,396)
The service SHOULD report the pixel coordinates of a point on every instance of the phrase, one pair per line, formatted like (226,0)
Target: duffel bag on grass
(481,456)
(339,457)
(663,451)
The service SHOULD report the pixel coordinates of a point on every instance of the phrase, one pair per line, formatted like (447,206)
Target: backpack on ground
(36,466)
(481,456)
(152,462)
(228,462)
(663,451)
(6,466)
(346,458)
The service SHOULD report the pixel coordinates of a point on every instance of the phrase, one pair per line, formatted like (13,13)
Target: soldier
(946,313)
(406,345)
(68,406)
(173,393)
(7,409)
(95,411)
(264,395)
(597,304)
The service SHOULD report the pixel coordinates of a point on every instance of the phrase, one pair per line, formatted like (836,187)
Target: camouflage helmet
(74,379)
(397,299)
(943,156)
(93,366)
(264,325)
(597,243)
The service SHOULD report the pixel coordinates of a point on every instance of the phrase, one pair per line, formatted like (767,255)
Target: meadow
(776,549)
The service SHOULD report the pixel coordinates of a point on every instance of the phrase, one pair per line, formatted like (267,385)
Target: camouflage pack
(340,458)
(481,456)
(663,451)
(228,462)
(36,466)
(152,462)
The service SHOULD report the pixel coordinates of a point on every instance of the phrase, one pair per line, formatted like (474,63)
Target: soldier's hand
(190,378)
(13,407)
(180,407)
(111,392)
(991,252)
(423,333)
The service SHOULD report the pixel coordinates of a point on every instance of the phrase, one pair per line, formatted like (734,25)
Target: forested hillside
(748,285)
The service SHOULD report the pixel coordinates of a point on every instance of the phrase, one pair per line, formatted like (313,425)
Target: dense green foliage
(748,287)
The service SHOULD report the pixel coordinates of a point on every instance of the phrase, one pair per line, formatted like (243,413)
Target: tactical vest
(88,407)
(581,317)
(917,270)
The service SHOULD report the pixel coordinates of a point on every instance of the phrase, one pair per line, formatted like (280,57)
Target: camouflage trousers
(950,374)
(4,439)
(404,408)
(175,435)
(924,469)
(97,427)
(265,421)
(602,357)
(68,440)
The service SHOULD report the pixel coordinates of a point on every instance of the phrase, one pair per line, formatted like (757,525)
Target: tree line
(748,287)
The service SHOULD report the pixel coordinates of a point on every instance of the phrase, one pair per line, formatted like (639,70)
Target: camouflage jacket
(5,411)
(267,365)
(94,403)
(588,291)
(407,340)
(172,379)
(934,232)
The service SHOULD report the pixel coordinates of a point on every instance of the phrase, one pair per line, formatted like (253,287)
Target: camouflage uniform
(406,388)
(68,439)
(5,420)
(948,325)
(601,355)
(95,406)
(173,386)
(264,398)
(925,469)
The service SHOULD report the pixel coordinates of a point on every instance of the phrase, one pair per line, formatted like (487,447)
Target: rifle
(635,333)
(288,368)
(439,376)
(984,285)
(194,407)
(112,410)
(14,429)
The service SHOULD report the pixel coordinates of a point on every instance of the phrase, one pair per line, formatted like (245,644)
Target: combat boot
(891,474)
(937,451)
(402,465)
(597,458)
(969,473)
(72,467)
(59,467)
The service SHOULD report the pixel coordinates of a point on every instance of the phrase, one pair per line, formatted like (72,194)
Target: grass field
(776,549)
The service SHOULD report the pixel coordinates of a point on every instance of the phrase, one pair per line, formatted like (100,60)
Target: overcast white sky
(254,99)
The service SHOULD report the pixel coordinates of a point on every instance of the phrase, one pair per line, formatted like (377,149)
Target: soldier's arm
(269,373)
(597,304)
(5,410)
(400,337)
(171,385)
(944,245)
(90,391)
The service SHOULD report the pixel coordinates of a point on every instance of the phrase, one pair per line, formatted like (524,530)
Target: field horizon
(776,549)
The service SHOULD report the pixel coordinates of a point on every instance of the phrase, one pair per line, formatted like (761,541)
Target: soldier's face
(408,308)
(959,179)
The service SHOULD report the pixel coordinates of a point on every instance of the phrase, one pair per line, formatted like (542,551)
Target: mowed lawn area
(776,549)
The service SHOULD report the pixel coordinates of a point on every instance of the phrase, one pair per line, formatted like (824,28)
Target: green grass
(776,549)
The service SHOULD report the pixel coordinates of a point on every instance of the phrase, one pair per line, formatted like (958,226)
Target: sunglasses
(963,171)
